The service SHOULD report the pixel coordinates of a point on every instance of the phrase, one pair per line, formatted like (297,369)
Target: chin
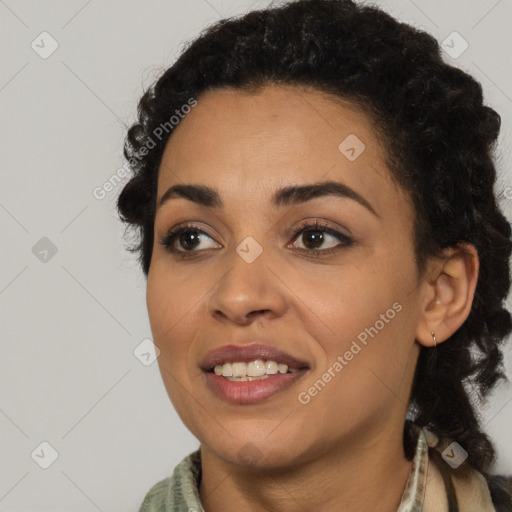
(258,451)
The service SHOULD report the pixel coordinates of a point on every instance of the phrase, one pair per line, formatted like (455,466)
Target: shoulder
(155,498)
(473,490)
(470,488)
(177,492)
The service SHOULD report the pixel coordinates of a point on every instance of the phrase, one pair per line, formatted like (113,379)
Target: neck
(370,474)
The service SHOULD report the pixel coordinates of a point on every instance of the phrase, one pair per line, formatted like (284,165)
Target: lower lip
(254,391)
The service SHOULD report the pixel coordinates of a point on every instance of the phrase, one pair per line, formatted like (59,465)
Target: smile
(253,370)
(250,373)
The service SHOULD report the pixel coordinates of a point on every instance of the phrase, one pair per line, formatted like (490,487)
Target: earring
(434,338)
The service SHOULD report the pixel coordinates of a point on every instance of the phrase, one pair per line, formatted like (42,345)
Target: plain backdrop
(77,392)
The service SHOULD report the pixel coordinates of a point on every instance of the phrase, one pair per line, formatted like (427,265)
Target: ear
(447,293)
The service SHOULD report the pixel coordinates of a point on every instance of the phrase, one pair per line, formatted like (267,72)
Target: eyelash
(168,240)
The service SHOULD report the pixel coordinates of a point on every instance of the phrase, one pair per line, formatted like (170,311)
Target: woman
(326,265)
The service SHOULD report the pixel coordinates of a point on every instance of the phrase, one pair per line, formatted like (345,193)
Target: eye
(188,237)
(314,235)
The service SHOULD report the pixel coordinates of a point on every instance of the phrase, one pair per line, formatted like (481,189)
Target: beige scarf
(472,492)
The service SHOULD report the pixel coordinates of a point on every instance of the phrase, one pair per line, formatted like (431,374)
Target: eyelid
(322,224)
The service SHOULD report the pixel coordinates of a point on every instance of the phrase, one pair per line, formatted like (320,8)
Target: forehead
(248,144)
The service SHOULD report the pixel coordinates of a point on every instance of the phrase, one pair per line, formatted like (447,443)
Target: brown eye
(313,239)
(314,235)
(188,237)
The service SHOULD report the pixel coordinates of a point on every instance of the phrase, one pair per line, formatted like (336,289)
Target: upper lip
(247,353)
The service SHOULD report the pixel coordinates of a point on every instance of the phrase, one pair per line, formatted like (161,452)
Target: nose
(248,292)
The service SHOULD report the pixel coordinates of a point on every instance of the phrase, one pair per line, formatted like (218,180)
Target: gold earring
(434,338)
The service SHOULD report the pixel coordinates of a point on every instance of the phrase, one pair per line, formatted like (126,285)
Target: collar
(414,492)
(180,492)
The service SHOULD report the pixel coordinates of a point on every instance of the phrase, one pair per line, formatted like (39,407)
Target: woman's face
(255,280)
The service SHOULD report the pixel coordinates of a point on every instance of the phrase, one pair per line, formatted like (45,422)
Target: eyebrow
(291,195)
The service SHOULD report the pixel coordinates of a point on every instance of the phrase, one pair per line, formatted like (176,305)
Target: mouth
(250,373)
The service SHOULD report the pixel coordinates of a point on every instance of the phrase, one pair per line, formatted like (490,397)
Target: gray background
(72,319)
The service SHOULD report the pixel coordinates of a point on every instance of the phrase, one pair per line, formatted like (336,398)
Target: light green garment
(180,493)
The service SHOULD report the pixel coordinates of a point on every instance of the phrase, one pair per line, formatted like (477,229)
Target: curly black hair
(440,141)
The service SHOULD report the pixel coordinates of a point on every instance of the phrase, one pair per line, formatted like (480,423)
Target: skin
(343,449)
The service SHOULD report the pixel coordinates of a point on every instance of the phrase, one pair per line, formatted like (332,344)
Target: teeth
(226,370)
(239,369)
(271,367)
(254,370)
(244,379)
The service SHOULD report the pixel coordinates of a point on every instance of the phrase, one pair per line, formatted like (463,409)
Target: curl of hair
(440,141)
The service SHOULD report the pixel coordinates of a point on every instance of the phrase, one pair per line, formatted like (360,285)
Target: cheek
(160,305)
(376,356)
(366,372)
(352,297)
(170,308)
(170,312)
(370,314)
